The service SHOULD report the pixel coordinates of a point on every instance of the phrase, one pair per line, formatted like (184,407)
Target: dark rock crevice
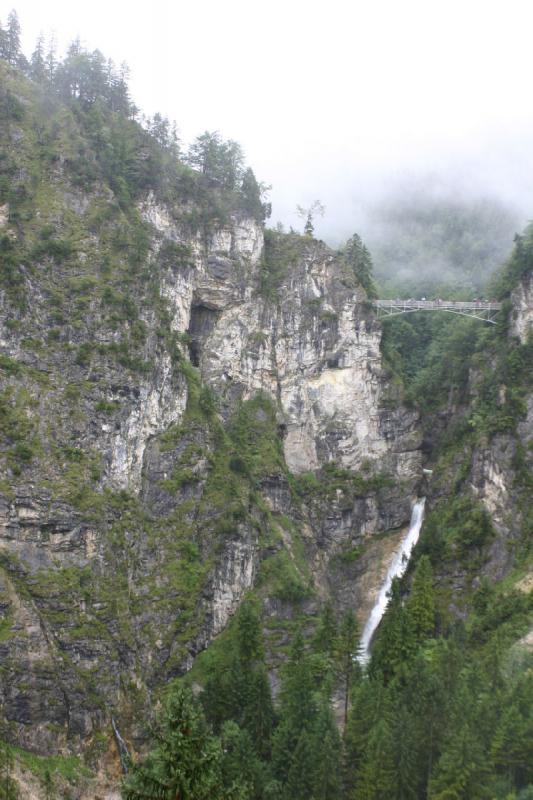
(202,321)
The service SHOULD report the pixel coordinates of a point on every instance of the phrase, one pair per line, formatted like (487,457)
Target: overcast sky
(341,101)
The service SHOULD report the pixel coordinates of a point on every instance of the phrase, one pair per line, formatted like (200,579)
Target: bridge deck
(479,309)
(439,305)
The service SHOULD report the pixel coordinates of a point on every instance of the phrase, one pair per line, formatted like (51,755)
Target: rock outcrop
(522,313)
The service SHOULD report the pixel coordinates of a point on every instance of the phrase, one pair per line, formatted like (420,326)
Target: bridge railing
(460,305)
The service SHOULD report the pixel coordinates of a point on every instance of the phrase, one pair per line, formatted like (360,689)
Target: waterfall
(125,758)
(396,570)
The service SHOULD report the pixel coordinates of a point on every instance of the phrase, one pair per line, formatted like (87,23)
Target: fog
(349,103)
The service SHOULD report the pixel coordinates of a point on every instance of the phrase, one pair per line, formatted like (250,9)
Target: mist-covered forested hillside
(427,242)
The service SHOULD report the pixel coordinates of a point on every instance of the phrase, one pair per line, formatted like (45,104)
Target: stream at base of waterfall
(396,570)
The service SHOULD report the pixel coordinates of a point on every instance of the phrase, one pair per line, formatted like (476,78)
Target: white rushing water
(396,570)
(124,753)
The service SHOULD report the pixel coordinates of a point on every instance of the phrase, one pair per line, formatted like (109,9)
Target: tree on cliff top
(11,41)
(217,159)
(316,209)
(358,257)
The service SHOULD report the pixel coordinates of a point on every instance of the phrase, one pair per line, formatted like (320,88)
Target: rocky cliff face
(501,471)
(315,351)
(481,453)
(141,513)
(522,314)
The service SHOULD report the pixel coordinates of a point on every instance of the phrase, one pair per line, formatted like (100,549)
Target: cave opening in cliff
(203,320)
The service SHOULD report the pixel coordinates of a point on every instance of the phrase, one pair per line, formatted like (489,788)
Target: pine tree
(314,763)
(37,62)
(512,746)
(347,647)
(233,161)
(359,259)
(421,604)
(296,694)
(174,141)
(428,694)
(395,644)
(13,53)
(296,708)
(405,753)
(187,762)
(258,714)
(240,764)
(308,214)
(306,752)
(299,782)
(51,60)
(219,697)
(219,160)
(369,703)
(325,638)
(121,90)
(160,129)
(324,644)
(115,88)
(4,49)
(251,191)
(249,635)
(462,769)
(377,779)
(326,751)
(241,691)
(203,153)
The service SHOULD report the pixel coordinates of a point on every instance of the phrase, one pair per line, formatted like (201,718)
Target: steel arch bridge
(477,309)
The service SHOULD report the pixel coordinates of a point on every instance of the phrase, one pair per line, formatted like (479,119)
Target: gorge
(203,420)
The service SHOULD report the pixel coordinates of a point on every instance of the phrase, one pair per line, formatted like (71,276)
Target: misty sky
(342,101)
